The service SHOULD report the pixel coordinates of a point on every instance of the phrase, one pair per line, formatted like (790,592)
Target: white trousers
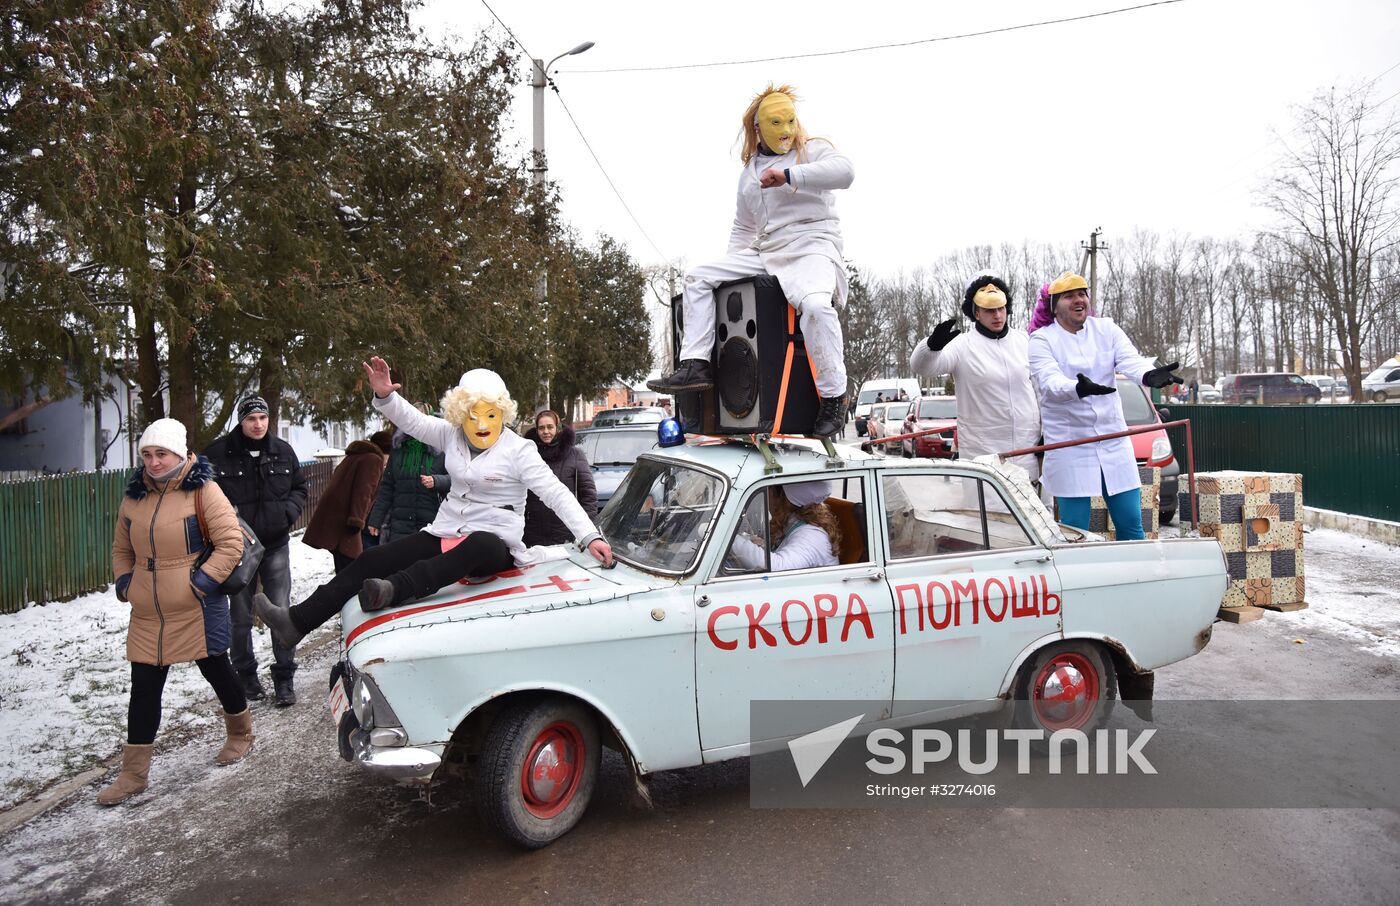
(813,300)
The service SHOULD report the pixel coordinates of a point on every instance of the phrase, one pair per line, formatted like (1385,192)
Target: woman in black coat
(415,482)
(556,446)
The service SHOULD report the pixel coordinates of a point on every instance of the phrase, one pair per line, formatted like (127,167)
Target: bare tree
(1336,197)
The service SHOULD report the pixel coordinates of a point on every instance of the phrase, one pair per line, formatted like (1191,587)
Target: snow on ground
(64,680)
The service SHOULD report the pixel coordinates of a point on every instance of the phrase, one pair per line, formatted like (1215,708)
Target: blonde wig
(748,134)
(478,385)
(818,514)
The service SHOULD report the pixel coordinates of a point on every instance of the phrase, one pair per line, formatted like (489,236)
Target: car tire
(1310,399)
(527,743)
(1065,686)
(1247,401)
(1378,396)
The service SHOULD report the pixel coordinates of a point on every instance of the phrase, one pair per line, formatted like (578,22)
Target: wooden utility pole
(1091,259)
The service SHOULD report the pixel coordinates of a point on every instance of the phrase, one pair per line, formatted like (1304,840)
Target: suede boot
(240,738)
(136,768)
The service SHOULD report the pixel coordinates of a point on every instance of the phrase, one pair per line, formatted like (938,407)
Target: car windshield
(1137,410)
(661,514)
(868,396)
(626,417)
(616,448)
(938,408)
(896,412)
(1206,387)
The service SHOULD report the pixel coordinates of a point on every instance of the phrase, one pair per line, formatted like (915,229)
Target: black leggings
(417,567)
(148,681)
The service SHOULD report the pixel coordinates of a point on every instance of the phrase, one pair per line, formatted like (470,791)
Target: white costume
(803,547)
(997,407)
(1096,351)
(488,489)
(793,233)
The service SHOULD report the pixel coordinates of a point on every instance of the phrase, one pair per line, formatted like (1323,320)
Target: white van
(890,387)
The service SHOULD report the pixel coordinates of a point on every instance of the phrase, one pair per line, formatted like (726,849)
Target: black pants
(148,682)
(341,560)
(417,567)
(275,577)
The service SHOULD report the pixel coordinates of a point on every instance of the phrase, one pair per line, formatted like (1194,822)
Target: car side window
(752,532)
(928,515)
(1394,375)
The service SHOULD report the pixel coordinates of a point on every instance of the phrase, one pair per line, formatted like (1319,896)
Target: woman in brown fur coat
(177,613)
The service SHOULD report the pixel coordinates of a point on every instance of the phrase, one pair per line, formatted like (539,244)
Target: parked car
(889,388)
(932,413)
(1332,389)
(885,420)
(513,685)
(611,453)
(1382,384)
(628,415)
(1207,393)
(1151,448)
(1274,387)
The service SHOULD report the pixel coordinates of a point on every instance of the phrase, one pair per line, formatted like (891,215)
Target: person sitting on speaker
(479,527)
(785,225)
(802,531)
(997,407)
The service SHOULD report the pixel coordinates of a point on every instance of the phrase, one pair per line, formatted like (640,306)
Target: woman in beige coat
(177,613)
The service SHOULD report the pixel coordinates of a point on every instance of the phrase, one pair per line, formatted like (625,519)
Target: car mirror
(1165,413)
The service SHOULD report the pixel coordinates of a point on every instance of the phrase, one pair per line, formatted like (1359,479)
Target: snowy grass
(64,681)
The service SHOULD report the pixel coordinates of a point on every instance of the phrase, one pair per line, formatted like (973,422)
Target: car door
(971,585)
(821,634)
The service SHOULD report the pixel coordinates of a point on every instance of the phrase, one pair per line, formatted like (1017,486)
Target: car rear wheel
(1065,686)
(1247,401)
(1310,399)
(538,767)
(1378,396)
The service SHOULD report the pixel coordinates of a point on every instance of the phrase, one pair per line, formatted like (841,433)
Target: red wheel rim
(552,770)
(1066,692)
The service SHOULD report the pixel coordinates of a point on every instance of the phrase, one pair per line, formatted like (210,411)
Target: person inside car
(802,530)
(479,528)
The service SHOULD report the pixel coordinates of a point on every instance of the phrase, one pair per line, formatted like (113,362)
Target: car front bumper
(402,764)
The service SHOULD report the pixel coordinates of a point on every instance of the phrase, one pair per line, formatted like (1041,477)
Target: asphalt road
(295,824)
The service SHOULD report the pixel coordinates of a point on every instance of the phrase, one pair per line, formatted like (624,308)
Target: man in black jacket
(261,476)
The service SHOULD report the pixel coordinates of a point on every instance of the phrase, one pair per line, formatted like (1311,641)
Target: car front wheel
(538,767)
(1378,396)
(1066,686)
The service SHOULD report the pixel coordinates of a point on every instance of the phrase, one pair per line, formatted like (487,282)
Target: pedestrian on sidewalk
(261,476)
(568,463)
(177,612)
(345,503)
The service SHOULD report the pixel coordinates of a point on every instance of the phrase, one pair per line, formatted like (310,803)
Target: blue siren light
(670,433)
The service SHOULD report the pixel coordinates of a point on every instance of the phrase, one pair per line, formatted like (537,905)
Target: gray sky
(1160,118)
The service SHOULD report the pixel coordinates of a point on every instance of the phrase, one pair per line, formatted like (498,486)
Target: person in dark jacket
(414,483)
(261,476)
(345,503)
(570,466)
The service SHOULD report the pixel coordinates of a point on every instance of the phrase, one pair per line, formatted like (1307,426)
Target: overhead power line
(872,47)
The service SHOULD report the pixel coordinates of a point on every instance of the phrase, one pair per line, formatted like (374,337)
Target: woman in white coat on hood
(479,526)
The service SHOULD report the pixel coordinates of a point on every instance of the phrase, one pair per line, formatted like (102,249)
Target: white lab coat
(803,547)
(484,486)
(997,406)
(1097,350)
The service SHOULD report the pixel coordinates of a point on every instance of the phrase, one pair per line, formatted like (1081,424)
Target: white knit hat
(166,433)
(807,493)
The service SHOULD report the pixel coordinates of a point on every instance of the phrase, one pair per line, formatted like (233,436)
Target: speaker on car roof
(763,380)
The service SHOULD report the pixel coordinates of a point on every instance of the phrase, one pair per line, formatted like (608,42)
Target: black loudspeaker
(763,379)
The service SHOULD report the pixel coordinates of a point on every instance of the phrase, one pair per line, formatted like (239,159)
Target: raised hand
(1086,387)
(943,335)
(1158,378)
(377,370)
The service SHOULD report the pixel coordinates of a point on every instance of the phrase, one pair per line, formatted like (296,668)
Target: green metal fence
(56,532)
(1348,455)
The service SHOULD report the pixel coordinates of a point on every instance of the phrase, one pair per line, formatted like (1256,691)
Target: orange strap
(787,370)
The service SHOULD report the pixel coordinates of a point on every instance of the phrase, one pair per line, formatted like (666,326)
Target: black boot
(376,594)
(283,695)
(694,374)
(830,417)
(252,687)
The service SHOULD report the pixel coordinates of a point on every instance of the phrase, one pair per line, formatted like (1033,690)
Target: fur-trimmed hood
(563,442)
(363,446)
(197,471)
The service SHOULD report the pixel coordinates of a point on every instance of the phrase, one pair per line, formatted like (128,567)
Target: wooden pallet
(1246,614)
(1288,607)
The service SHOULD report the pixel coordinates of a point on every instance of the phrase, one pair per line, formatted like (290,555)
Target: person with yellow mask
(785,225)
(479,527)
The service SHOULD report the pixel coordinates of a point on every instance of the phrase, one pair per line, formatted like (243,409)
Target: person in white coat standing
(479,527)
(785,225)
(997,406)
(1074,361)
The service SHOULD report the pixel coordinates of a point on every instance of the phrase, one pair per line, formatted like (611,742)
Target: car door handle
(870,575)
(702,601)
(1043,558)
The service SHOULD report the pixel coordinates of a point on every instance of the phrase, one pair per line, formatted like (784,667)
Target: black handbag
(248,564)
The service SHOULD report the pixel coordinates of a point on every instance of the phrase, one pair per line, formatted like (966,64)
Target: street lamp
(539,78)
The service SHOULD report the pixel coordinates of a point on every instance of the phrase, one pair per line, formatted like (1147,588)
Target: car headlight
(371,710)
(1161,450)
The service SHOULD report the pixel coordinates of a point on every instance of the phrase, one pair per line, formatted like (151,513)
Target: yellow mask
(777,122)
(483,425)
